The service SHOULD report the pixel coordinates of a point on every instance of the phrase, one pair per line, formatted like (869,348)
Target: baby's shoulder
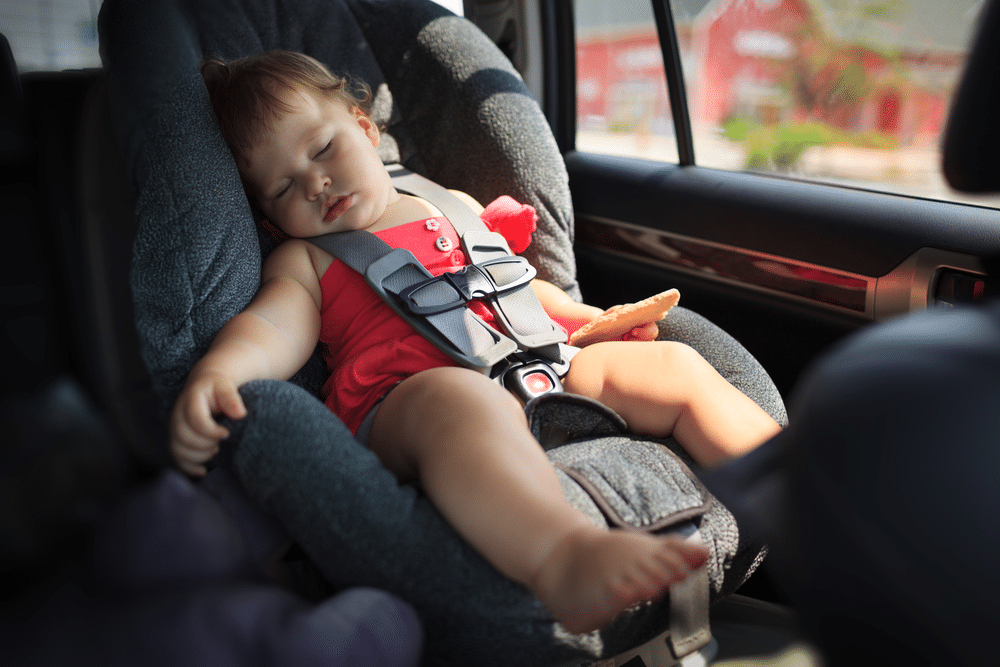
(297,258)
(289,249)
(469,201)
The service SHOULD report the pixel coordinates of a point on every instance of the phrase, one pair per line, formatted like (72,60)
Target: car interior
(786,256)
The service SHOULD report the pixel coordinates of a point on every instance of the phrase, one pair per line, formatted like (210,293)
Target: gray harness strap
(435,306)
(458,332)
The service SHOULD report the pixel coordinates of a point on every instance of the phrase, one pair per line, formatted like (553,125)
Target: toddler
(306,150)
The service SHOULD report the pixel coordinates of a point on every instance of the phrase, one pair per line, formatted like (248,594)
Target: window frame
(674,73)
(908,248)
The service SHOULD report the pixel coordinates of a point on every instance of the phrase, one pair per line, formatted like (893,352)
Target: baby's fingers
(223,401)
(191,449)
(192,462)
(229,403)
(202,424)
(646,332)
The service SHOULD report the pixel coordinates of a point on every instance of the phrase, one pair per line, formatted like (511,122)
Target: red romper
(368,348)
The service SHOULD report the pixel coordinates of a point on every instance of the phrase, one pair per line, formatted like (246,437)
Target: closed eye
(325,149)
(285,190)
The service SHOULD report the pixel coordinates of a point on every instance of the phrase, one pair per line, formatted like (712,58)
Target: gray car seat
(456,111)
(125,568)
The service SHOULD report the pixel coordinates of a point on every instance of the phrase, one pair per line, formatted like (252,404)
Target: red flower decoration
(512,220)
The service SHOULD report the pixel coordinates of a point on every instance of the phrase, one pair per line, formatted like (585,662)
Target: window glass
(621,100)
(456,6)
(51,34)
(845,91)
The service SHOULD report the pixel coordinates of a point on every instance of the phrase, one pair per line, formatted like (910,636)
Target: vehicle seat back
(84,206)
(970,143)
(61,466)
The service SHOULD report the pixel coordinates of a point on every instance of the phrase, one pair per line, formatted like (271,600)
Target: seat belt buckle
(452,290)
(528,380)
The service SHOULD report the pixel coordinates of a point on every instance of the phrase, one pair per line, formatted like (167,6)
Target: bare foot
(593,575)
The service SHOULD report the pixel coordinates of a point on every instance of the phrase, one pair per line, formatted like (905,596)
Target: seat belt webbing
(458,331)
(519,311)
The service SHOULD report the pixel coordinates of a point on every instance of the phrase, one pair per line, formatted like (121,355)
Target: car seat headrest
(13,131)
(971,142)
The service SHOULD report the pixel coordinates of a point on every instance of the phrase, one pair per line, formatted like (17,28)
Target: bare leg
(468,442)
(663,388)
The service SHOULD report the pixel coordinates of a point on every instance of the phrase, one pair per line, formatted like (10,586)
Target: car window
(622,105)
(456,6)
(853,92)
(51,34)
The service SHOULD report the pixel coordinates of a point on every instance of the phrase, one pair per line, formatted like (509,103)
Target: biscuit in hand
(613,325)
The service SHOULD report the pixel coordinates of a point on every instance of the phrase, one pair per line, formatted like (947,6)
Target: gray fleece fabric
(456,111)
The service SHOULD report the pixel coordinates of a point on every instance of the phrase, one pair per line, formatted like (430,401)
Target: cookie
(611,326)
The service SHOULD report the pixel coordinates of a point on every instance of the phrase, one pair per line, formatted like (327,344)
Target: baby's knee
(682,361)
(677,354)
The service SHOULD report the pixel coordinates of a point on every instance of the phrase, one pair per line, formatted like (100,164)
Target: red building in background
(834,61)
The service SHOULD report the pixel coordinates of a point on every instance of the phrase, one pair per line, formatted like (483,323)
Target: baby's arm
(560,305)
(271,339)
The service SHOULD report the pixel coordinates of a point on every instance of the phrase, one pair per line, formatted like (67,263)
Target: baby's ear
(366,122)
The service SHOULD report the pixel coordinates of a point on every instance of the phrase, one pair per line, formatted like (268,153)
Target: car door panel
(786,266)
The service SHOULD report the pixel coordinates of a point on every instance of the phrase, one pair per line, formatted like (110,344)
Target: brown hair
(244,92)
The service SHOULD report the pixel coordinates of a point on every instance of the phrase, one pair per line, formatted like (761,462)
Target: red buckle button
(538,383)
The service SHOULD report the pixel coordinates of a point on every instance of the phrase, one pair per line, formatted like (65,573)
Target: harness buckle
(456,289)
(530,379)
(528,375)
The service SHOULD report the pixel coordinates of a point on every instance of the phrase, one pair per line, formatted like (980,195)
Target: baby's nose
(318,184)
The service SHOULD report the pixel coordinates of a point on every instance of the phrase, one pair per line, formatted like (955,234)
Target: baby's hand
(647,331)
(194,433)
(632,321)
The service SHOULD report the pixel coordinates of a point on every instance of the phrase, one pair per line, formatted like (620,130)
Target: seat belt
(530,325)
(529,360)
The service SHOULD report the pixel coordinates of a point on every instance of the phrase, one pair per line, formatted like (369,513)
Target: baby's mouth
(337,207)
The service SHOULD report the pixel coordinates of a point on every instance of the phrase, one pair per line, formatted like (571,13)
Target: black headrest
(13,136)
(972,139)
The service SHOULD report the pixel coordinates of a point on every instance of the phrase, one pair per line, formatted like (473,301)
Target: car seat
(454,110)
(125,567)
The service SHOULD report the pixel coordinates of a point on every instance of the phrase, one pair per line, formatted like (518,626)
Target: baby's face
(317,171)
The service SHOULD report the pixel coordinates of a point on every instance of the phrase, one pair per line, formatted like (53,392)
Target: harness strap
(435,305)
(461,217)
(459,333)
(518,310)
